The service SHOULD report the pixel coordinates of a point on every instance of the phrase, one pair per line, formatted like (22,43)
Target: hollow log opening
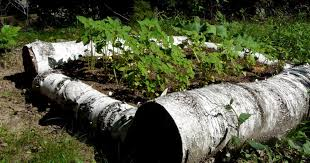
(153,136)
(29,62)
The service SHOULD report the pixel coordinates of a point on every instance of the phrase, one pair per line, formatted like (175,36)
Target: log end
(29,62)
(153,136)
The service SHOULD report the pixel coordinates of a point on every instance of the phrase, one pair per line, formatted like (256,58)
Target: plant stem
(115,76)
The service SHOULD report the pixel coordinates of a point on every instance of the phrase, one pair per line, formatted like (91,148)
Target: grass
(6,94)
(29,35)
(283,38)
(31,145)
(48,34)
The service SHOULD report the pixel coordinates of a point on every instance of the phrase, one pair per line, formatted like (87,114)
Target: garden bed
(103,79)
(137,68)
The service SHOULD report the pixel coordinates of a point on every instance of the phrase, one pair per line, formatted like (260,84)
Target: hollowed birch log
(101,113)
(193,125)
(39,56)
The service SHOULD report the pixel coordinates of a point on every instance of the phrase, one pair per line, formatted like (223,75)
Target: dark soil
(102,78)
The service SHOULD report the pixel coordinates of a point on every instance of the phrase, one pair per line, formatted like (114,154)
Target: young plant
(154,62)
(148,60)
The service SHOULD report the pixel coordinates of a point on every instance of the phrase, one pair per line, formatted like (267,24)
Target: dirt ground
(17,112)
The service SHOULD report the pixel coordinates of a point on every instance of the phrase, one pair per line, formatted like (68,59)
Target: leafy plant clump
(295,147)
(147,59)
(8,35)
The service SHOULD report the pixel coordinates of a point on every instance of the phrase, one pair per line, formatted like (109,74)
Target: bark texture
(39,56)
(192,125)
(101,113)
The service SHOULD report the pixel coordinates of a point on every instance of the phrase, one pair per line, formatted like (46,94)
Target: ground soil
(17,111)
(103,79)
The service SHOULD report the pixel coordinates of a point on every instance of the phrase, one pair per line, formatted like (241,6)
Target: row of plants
(146,58)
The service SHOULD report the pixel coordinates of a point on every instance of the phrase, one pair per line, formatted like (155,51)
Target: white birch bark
(103,113)
(40,56)
(192,125)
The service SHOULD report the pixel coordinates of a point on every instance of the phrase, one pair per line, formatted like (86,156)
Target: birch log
(193,125)
(100,112)
(40,56)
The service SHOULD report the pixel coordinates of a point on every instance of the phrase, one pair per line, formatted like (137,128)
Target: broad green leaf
(256,145)
(306,148)
(292,144)
(243,117)
(221,31)
(211,29)
(122,69)
(235,141)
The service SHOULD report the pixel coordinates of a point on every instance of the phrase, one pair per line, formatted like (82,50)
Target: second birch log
(193,125)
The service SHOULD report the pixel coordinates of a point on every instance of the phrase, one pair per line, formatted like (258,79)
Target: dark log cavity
(153,137)
(29,62)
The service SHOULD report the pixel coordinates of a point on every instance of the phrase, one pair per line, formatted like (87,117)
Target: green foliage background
(8,35)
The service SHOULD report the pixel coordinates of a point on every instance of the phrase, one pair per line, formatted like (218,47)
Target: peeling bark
(103,113)
(193,125)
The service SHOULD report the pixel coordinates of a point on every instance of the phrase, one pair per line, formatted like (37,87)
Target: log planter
(187,126)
